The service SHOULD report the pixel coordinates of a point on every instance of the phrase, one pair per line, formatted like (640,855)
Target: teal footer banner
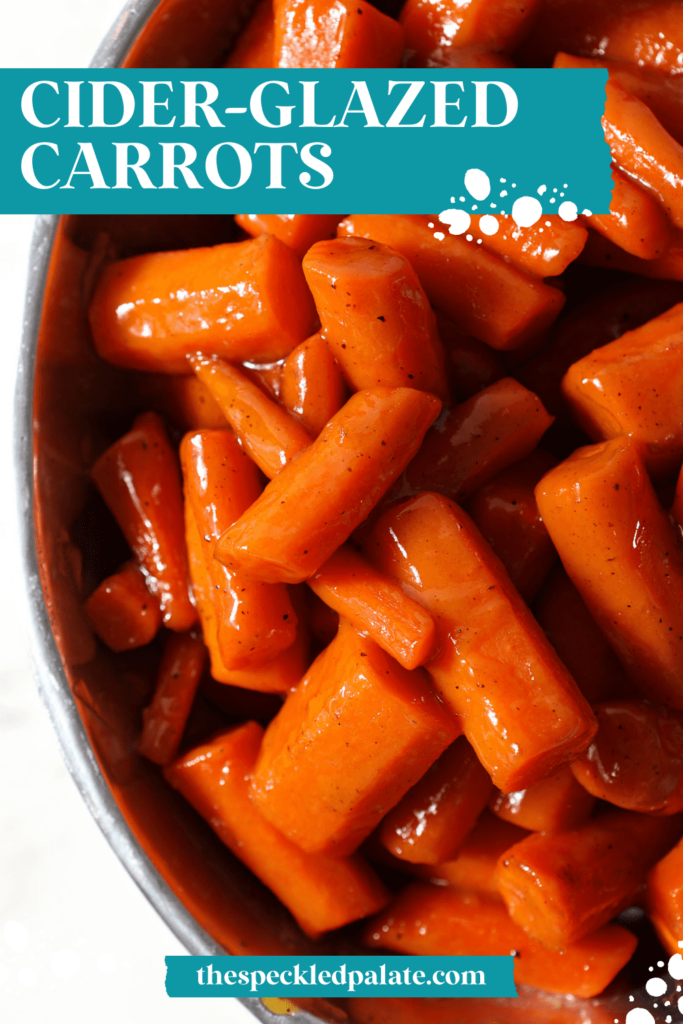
(339,976)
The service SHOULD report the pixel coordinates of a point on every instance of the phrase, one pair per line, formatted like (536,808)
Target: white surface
(78,941)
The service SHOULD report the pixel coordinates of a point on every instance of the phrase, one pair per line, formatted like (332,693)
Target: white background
(78,941)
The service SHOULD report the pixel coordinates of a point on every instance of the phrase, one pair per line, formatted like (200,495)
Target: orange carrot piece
(254,45)
(461,57)
(269,435)
(592,663)
(520,708)
(553,805)
(267,375)
(327,34)
(312,384)
(376,605)
(530,1006)
(561,886)
(430,823)
(122,611)
(184,401)
(323,620)
(494,301)
(505,512)
(354,736)
(138,478)
(622,553)
(665,899)
(636,222)
(321,892)
(636,759)
(255,621)
(471,365)
(634,387)
(601,252)
(375,315)
(434,29)
(240,300)
(546,249)
(428,920)
(163,721)
(473,442)
(315,502)
(297,230)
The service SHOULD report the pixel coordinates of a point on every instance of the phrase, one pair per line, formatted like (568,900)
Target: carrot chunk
(433,28)
(315,502)
(241,300)
(471,364)
(432,820)
(321,892)
(254,45)
(545,249)
(635,222)
(665,899)
(375,315)
(622,553)
(602,252)
(335,34)
(481,293)
(312,384)
(520,708)
(297,230)
(163,721)
(314,780)
(182,400)
(460,57)
(122,611)
(138,477)
(553,805)
(559,887)
(431,921)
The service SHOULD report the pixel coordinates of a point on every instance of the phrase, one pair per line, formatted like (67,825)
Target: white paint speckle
(542,189)
(458,221)
(488,224)
(526,211)
(477,183)
(568,211)
(655,986)
(439,235)
(587,213)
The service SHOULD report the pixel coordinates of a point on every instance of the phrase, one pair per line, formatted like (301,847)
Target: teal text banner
(489,141)
(338,976)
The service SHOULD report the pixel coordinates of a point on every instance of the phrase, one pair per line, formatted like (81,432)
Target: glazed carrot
(471,365)
(312,384)
(241,300)
(621,552)
(267,375)
(634,387)
(495,302)
(376,605)
(163,721)
(269,435)
(298,230)
(255,621)
(254,45)
(323,620)
(434,29)
(553,805)
(354,736)
(473,442)
(636,222)
(461,57)
(601,252)
(375,315)
(428,920)
(505,512)
(326,34)
(321,892)
(545,249)
(531,1006)
(138,478)
(636,759)
(184,401)
(287,536)
(122,611)
(520,708)
(430,823)
(559,887)
(593,664)
(665,899)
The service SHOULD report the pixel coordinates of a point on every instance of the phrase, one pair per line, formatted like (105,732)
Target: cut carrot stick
(559,887)
(353,737)
(430,921)
(184,401)
(327,34)
(269,435)
(553,805)
(254,45)
(471,443)
(315,502)
(471,365)
(376,605)
(298,230)
(505,512)
(636,759)
(592,662)
(519,707)
(545,249)
(163,721)
(323,620)
(322,893)
(267,375)
(255,621)
(665,899)
(433,819)
(636,222)
(494,302)
(312,384)
(461,57)
(138,478)
(375,315)
(241,300)
(621,552)
(601,252)
(122,611)
(433,30)
(634,387)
